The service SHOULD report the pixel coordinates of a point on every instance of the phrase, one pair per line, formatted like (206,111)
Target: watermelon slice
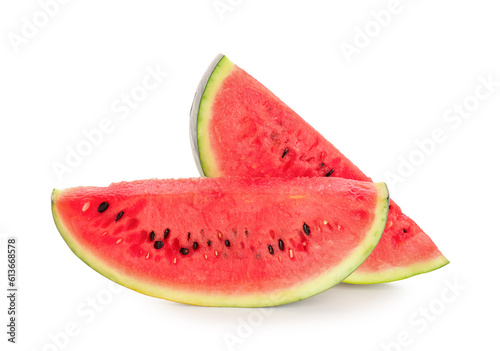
(240,128)
(224,242)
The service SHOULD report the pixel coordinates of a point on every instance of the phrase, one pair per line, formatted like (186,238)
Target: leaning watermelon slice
(240,128)
(224,241)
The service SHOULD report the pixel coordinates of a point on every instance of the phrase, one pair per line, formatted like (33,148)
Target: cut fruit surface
(240,128)
(224,241)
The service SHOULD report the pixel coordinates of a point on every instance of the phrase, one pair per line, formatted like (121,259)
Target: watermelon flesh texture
(224,242)
(240,128)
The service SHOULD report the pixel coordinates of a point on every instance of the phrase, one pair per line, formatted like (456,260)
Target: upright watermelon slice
(240,128)
(227,241)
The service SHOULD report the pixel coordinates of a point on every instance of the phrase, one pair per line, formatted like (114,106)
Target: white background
(64,76)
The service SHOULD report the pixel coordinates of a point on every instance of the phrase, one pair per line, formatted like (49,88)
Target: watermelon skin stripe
(196,295)
(405,249)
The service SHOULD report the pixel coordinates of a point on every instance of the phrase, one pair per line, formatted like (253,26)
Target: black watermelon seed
(184,251)
(322,165)
(158,245)
(306,228)
(152,236)
(195,246)
(119,215)
(165,233)
(102,207)
(404,230)
(227,243)
(189,236)
(209,243)
(281,245)
(271,250)
(329,173)
(284,153)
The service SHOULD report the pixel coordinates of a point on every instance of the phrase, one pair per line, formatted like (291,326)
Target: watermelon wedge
(224,242)
(240,128)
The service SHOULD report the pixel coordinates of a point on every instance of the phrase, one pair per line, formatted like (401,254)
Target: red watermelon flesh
(224,241)
(240,128)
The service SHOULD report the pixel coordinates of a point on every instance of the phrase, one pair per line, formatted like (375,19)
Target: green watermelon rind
(312,287)
(219,69)
(195,116)
(401,273)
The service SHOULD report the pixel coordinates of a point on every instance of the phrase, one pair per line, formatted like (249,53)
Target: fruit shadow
(346,296)
(340,299)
